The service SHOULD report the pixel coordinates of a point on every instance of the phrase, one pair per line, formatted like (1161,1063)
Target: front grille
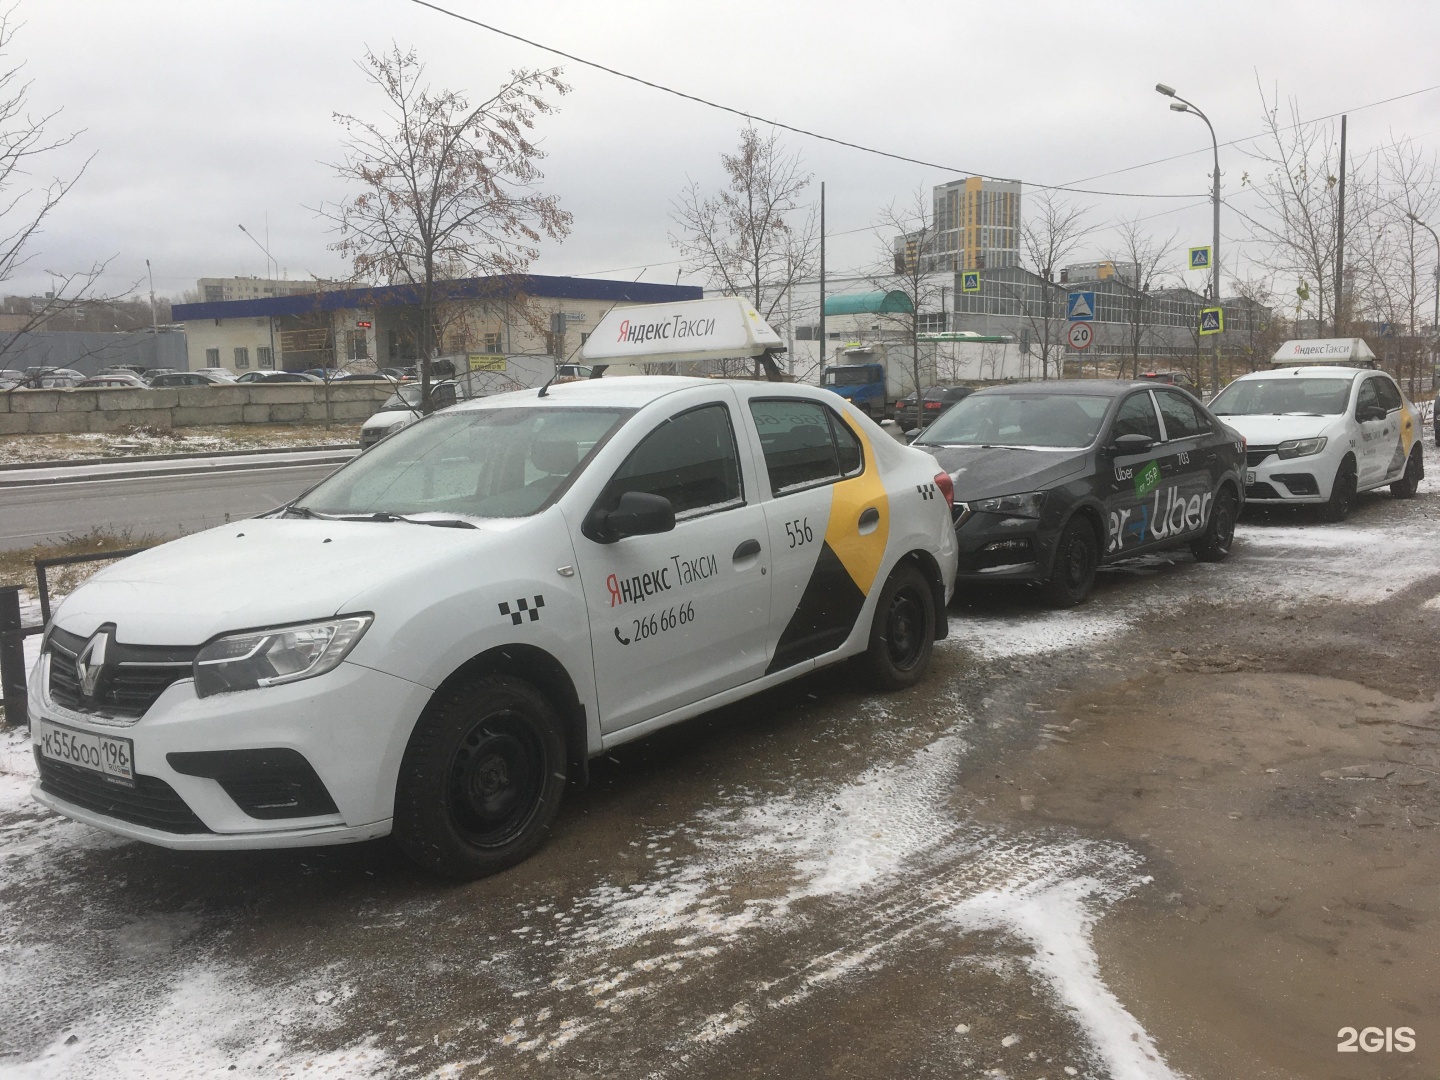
(151,802)
(1254,455)
(1260,491)
(276,782)
(132,678)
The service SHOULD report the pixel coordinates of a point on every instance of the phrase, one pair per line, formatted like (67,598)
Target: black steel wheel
(1342,493)
(1220,532)
(1076,557)
(481,780)
(902,635)
(1405,487)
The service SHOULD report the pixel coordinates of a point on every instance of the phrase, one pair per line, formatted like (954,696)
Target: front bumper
(351,726)
(996,547)
(1294,480)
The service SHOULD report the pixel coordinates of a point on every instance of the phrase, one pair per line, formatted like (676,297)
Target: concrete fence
(57,412)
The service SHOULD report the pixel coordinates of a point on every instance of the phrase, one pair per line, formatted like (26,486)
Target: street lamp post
(1435,344)
(1181,105)
(269,263)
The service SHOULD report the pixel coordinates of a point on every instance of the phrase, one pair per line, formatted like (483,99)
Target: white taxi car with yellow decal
(436,638)
(1322,426)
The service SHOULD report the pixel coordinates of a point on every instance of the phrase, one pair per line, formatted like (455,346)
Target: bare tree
(1261,331)
(446,188)
(1144,256)
(755,238)
(1049,236)
(24,139)
(906,234)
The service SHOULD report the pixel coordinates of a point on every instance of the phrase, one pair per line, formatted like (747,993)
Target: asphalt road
(161,506)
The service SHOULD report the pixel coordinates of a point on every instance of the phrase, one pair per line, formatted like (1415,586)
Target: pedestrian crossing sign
(970,281)
(1212,320)
(1200,258)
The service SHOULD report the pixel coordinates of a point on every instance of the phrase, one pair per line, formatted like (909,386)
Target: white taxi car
(435,639)
(1320,433)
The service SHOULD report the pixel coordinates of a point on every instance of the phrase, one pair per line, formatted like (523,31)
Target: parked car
(1053,478)
(219,372)
(277,377)
(434,640)
(49,378)
(366,376)
(116,380)
(403,408)
(154,373)
(1171,378)
(10,379)
(138,370)
(933,402)
(187,378)
(1321,434)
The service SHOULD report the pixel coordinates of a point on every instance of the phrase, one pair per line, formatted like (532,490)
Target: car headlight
(281,654)
(1293,448)
(1025,505)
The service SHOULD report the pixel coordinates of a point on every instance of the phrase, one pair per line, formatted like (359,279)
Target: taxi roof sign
(1305,353)
(691,330)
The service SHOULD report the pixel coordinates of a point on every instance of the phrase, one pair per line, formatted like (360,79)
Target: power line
(1261,135)
(778,124)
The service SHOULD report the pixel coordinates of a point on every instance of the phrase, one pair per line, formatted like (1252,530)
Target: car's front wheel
(1405,487)
(1220,533)
(1076,557)
(1342,493)
(481,779)
(902,635)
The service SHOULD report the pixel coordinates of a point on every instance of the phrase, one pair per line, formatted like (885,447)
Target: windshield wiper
(385,515)
(1005,446)
(302,511)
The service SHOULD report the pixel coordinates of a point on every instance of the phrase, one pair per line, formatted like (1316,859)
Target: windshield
(1280,395)
(407,398)
(485,463)
(848,376)
(1003,419)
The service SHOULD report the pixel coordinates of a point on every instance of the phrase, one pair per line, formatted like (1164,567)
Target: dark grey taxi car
(1052,479)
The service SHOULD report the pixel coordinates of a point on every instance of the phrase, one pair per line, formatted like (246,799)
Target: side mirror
(1132,443)
(1371,412)
(638,513)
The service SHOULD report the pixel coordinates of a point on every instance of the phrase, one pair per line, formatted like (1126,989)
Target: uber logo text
(1373,1040)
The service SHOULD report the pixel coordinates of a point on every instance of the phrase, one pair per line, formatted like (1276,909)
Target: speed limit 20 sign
(1081,335)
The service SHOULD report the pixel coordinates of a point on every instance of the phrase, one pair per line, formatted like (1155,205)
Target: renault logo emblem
(91,662)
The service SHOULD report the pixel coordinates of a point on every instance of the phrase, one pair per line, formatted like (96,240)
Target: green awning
(868,303)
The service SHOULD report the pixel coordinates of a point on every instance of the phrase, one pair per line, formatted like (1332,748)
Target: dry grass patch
(18,567)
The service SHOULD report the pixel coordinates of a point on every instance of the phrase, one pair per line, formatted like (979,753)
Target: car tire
(1073,574)
(902,634)
(1342,493)
(481,779)
(1219,535)
(1405,487)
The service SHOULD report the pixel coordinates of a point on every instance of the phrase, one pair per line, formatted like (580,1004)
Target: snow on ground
(145,442)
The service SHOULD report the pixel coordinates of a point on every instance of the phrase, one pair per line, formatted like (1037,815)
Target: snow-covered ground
(882,859)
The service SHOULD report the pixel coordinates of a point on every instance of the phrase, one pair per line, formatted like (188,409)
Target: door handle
(748,550)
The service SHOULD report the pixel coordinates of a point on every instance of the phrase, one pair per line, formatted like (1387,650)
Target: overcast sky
(201,116)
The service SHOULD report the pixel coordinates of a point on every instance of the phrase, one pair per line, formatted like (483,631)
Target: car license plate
(111,757)
(1249,477)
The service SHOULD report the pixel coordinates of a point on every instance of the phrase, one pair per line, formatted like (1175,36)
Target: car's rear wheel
(481,780)
(1076,557)
(1405,487)
(1220,533)
(902,635)
(1342,493)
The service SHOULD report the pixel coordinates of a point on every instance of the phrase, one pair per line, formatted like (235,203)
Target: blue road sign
(1200,258)
(1212,320)
(970,281)
(1080,306)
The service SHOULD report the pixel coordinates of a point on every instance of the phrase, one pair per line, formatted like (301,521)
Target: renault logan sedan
(1053,478)
(1320,435)
(432,641)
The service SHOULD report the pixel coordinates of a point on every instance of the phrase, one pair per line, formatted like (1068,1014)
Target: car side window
(1369,396)
(691,459)
(1182,419)
(1389,394)
(805,444)
(1136,417)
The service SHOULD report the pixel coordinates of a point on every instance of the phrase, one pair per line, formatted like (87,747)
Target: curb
(75,463)
(250,466)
